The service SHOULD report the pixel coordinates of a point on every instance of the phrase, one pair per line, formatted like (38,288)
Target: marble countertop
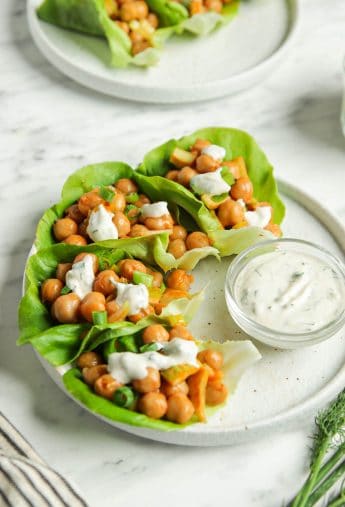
(51,126)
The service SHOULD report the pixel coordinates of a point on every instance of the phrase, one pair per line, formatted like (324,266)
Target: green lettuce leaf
(236,143)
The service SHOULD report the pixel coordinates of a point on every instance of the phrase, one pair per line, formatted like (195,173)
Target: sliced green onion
(227,175)
(65,290)
(108,348)
(219,198)
(99,318)
(150,347)
(139,277)
(106,193)
(124,397)
(127,344)
(132,197)
(128,208)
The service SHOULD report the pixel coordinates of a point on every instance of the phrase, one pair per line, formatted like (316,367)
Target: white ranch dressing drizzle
(290,292)
(215,151)
(128,366)
(155,210)
(137,296)
(258,218)
(81,276)
(101,226)
(210,183)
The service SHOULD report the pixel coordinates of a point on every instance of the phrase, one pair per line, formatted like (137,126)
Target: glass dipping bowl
(267,335)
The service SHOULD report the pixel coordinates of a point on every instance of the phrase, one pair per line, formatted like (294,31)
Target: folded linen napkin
(25,479)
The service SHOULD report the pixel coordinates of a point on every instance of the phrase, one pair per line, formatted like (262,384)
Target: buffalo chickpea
(64,227)
(172,175)
(74,213)
(185,175)
(88,359)
(137,9)
(89,201)
(242,189)
(180,408)
(116,313)
(159,223)
(92,302)
(153,20)
(179,279)
(118,202)
(206,164)
(122,223)
(157,278)
(106,386)
(143,199)
(177,247)
(230,213)
(82,228)
(75,239)
(126,186)
(197,239)
(128,266)
(105,282)
(214,5)
(139,46)
(142,314)
(216,393)
(155,333)
(50,290)
(151,382)
(180,331)
(199,145)
(94,258)
(153,405)
(139,230)
(135,36)
(213,358)
(62,269)
(178,232)
(92,373)
(65,308)
(124,26)
(168,389)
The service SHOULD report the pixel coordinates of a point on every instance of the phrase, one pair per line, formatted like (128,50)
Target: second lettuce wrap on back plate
(243,158)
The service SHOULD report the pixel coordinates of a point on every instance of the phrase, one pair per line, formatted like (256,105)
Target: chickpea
(138,231)
(128,266)
(177,247)
(180,408)
(185,175)
(197,239)
(82,228)
(135,36)
(168,389)
(122,223)
(88,359)
(172,175)
(126,186)
(242,189)
(75,239)
(82,256)
(118,202)
(179,279)
(105,282)
(157,278)
(73,212)
(155,333)
(92,302)
(213,358)
(89,201)
(199,145)
(137,9)
(153,405)
(92,373)
(51,289)
(62,269)
(142,314)
(151,382)
(180,331)
(159,223)
(65,308)
(206,164)
(178,232)
(216,393)
(214,5)
(139,46)
(230,213)
(133,215)
(124,26)
(153,20)
(106,386)
(64,227)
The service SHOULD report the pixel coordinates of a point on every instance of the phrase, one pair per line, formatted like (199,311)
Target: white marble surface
(50,126)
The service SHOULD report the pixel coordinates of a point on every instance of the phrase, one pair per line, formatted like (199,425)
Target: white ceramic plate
(285,388)
(235,57)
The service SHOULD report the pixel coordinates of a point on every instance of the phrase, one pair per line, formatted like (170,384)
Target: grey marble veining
(50,126)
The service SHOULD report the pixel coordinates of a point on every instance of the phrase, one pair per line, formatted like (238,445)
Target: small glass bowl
(265,334)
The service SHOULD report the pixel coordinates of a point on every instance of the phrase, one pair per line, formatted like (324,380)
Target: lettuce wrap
(91,176)
(60,344)
(236,143)
(238,357)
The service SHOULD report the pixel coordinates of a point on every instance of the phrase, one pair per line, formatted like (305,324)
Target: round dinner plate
(286,387)
(228,60)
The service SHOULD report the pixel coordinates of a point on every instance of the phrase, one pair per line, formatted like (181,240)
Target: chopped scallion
(106,193)
(139,277)
(65,290)
(124,397)
(132,197)
(99,318)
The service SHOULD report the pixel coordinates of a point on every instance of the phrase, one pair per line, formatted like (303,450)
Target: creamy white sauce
(128,366)
(258,218)
(214,151)
(210,183)
(289,292)
(155,210)
(137,296)
(101,226)
(81,276)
